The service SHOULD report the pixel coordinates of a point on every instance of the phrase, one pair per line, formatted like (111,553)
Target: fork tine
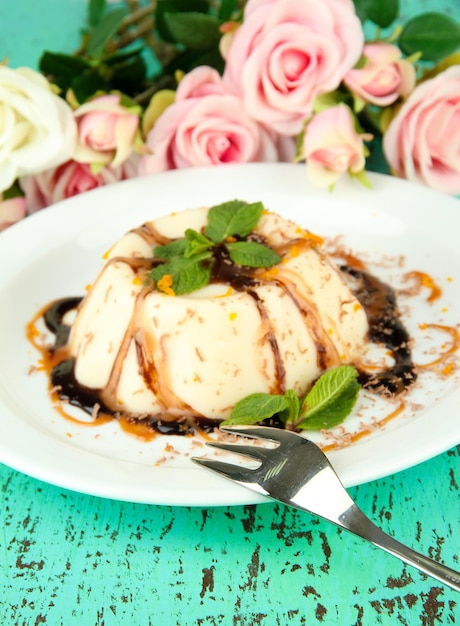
(250,451)
(268,433)
(239,474)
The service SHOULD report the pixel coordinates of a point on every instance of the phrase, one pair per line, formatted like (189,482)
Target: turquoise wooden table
(71,559)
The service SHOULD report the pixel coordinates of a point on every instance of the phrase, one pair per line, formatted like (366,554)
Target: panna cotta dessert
(193,311)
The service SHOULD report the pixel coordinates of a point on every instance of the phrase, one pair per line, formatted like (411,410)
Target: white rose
(37,129)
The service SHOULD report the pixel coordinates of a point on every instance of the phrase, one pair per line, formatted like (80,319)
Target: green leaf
(292,413)
(86,84)
(360,9)
(232,218)
(187,274)
(189,59)
(211,58)
(128,76)
(168,251)
(120,56)
(256,407)
(252,254)
(14,191)
(163,7)
(331,399)
(196,31)
(105,30)
(62,65)
(381,12)
(435,35)
(226,9)
(196,243)
(328,100)
(96,10)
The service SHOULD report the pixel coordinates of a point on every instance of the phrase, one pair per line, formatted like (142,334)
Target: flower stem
(137,15)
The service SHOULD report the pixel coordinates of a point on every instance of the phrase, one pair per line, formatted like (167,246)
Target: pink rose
(287,52)
(384,77)
(106,130)
(331,146)
(11,211)
(422,143)
(71,179)
(199,82)
(207,125)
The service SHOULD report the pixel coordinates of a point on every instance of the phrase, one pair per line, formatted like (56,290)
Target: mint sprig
(230,219)
(187,263)
(170,250)
(330,400)
(185,274)
(196,243)
(327,404)
(252,254)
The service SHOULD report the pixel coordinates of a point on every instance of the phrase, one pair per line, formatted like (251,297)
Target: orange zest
(165,285)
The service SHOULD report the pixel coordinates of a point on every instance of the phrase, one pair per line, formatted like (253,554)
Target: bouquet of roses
(181,83)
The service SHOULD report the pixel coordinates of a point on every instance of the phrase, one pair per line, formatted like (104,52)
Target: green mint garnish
(252,254)
(328,403)
(331,399)
(230,219)
(256,407)
(196,243)
(170,250)
(293,407)
(182,275)
(188,262)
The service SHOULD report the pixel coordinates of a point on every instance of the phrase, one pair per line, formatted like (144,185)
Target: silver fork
(296,472)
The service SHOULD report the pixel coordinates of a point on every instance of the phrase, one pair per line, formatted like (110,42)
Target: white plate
(56,252)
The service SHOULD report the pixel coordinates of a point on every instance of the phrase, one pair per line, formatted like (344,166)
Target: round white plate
(396,226)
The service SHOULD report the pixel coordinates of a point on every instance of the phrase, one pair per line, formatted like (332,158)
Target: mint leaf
(255,408)
(168,251)
(184,274)
(252,254)
(293,410)
(232,218)
(187,263)
(327,404)
(196,243)
(330,400)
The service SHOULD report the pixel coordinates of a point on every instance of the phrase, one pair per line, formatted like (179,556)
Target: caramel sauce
(424,280)
(349,259)
(448,350)
(364,431)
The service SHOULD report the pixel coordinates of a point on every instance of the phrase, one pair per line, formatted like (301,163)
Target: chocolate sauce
(385,328)
(54,319)
(71,391)
(225,271)
(377,298)
(75,394)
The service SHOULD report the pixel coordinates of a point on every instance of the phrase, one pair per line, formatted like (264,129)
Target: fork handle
(355,521)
